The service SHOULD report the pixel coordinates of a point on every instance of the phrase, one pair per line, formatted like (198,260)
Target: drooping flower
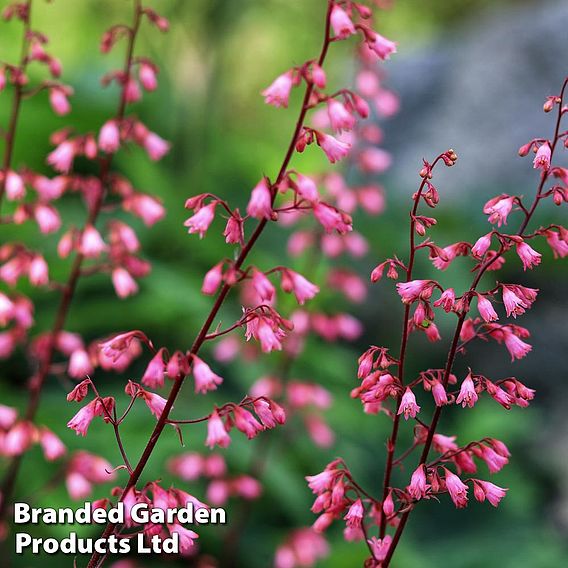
(382,46)
(260,203)
(200,221)
(456,488)
(498,209)
(212,279)
(334,149)
(109,137)
(154,374)
(205,378)
(302,288)
(339,117)
(485,308)
(355,514)
(486,490)
(341,23)
(216,433)
(529,257)
(278,93)
(408,404)
(53,447)
(467,395)
(124,284)
(542,157)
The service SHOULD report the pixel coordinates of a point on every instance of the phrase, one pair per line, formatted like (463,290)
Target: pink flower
(154,402)
(246,422)
(456,488)
(79,392)
(216,433)
(148,208)
(38,271)
(147,76)
(92,244)
(411,291)
(186,537)
(382,46)
(124,284)
(307,188)
(205,378)
(303,289)
(542,158)
(155,146)
(375,160)
(495,462)
(322,481)
(82,420)
(278,93)
(109,137)
(380,546)
(340,118)
(79,364)
(8,416)
(212,279)
(53,447)
(47,218)
(355,514)
(59,102)
(517,299)
(341,23)
(485,308)
(467,395)
(516,346)
(61,159)
(331,219)
(408,405)
(18,439)
(447,300)
(388,505)
(486,490)
(14,185)
(234,230)
(481,246)
(439,394)
(498,209)
(334,149)
(260,203)
(262,286)
(528,255)
(200,221)
(154,374)
(247,487)
(77,486)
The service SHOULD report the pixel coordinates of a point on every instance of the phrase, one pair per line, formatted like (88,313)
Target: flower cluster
(385,388)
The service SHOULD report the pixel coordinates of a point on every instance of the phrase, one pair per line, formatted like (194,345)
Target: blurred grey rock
(479,89)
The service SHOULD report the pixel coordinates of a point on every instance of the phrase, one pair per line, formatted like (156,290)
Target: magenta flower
(334,149)
(302,288)
(260,203)
(382,46)
(542,157)
(515,345)
(486,490)
(154,402)
(411,291)
(380,546)
(481,246)
(467,395)
(408,405)
(498,209)
(216,433)
(154,374)
(456,488)
(355,514)
(212,279)
(205,378)
(439,394)
(278,93)
(485,308)
(200,221)
(332,219)
(341,23)
(529,257)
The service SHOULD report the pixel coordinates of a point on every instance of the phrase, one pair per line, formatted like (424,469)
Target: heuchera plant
(289,193)
(386,388)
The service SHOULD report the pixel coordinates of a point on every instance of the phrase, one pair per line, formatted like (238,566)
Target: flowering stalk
(87,241)
(96,559)
(378,385)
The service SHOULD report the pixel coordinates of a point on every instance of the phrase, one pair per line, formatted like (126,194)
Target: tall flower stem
(455,341)
(98,559)
(70,286)
(10,134)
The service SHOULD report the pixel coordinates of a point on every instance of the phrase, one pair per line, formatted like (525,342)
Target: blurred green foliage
(217,57)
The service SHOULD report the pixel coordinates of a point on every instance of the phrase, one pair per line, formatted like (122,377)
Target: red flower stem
(461,320)
(10,134)
(391,442)
(38,381)
(97,559)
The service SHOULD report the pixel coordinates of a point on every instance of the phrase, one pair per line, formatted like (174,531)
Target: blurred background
(472,76)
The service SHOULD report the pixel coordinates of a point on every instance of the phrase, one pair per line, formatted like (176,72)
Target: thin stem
(69,289)
(461,320)
(97,559)
(391,443)
(10,134)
